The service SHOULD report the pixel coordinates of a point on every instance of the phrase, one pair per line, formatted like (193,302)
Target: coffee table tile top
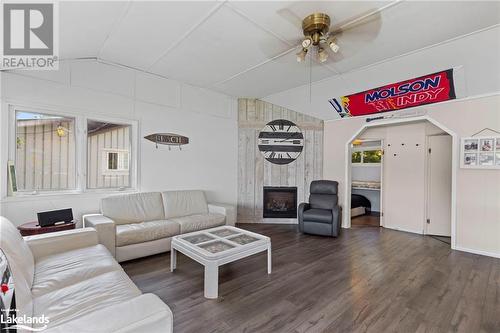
(224,232)
(216,246)
(199,238)
(220,240)
(243,239)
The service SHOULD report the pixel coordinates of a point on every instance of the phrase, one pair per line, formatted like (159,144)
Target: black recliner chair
(322,215)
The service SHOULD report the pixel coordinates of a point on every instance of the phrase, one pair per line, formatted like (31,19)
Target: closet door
(404,172)
(439,186)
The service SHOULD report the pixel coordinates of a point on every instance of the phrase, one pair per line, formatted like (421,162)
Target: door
(404,175)
(439,186)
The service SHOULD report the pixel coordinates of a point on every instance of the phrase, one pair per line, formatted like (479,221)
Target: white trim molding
(480,252)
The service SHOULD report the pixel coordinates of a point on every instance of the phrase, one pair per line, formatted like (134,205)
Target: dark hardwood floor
(370,220)
(367,280)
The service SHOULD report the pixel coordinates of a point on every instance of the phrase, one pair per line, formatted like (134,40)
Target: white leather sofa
(142,224)
(74,281)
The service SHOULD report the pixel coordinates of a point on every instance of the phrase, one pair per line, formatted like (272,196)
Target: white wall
(476,57)
(209,119)
(477,191)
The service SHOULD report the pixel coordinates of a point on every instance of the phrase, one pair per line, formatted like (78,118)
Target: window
(45,157)
(115,162)
(366,156)
(372,156)
(356,157)
(108,154)
(58,152)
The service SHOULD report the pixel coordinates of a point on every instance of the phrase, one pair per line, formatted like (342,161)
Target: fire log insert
(280,202)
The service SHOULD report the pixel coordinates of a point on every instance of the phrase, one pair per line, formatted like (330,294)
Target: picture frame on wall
(480,152)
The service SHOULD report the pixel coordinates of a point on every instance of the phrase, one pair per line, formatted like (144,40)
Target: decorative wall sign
(281,141)
(480,152)
(428,89)
(169,139)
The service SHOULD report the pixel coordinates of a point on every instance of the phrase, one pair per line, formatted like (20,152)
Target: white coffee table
(218,246)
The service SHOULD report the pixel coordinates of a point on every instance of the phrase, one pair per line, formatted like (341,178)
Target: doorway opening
(366,180)
(417,176)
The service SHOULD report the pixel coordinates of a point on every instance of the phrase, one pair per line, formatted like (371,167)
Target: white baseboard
(480,252)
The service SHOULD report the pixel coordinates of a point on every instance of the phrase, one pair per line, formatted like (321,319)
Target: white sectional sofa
(76,283)
(141,224)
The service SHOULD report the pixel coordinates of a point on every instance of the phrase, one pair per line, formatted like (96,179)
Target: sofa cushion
(184,203)
(199,222)
(133,208)
(318,215)
(94,294)
(134,233)
(145,313)
(64,269)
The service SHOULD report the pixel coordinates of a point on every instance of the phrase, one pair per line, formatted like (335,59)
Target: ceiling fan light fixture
(306,42)
(301,55)
(332,43)
(322,55)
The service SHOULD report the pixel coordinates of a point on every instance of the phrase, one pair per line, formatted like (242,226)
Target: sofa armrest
(106,229)
(300,214)
(61,241)
(228,210)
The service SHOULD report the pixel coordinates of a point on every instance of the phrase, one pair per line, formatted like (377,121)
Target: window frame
(80,119)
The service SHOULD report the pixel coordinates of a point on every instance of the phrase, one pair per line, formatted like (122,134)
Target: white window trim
(81,117)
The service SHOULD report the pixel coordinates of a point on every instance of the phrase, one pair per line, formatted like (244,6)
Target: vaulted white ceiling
(231,46)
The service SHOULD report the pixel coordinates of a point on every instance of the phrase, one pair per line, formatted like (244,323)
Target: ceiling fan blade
(371,17)
(290,16)
(354,35)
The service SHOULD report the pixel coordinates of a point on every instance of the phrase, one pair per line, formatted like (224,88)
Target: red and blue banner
(428,89)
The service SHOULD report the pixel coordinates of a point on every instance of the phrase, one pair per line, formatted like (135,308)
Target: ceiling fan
(344,38)
(316,32)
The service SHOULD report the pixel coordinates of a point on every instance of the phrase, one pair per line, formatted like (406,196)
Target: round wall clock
(281,141)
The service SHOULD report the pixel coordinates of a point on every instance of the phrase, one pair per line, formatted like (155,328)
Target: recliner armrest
(106,230)
(227,210)
(61,241)
(300,214)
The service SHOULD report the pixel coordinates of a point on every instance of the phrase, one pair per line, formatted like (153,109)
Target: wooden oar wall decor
(169,139)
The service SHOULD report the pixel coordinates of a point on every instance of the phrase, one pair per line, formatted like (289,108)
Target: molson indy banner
(432,88)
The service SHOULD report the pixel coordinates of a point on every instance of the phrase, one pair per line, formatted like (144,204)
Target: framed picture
(480,152)
(471,145)
(486,159)
(12,177)
(470,159)
(487,144)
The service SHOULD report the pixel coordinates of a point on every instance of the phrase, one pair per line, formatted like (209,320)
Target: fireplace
(280,202)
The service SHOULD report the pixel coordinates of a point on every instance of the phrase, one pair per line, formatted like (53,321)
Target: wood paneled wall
(116,138)
(254,171)
(44,160)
